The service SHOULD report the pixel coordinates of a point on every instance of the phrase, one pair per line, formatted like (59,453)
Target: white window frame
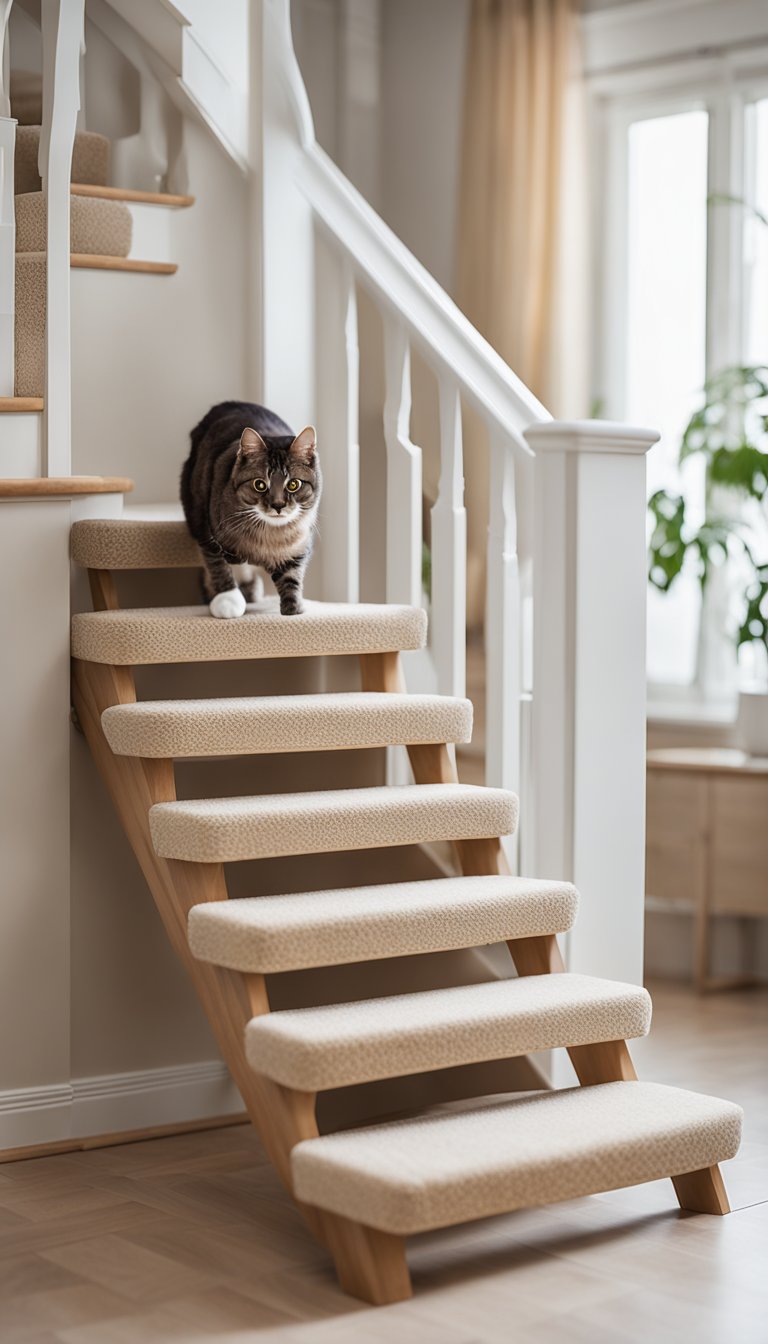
(724,84)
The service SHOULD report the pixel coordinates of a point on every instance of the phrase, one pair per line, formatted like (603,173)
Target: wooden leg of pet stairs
(281,1117)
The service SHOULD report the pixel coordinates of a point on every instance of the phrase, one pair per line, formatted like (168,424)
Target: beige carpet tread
(327,928)
(90,159)
(192,635)
(96,226)
(446,1168)
(313,1049)
(223,830)
(259,724)
(119,543)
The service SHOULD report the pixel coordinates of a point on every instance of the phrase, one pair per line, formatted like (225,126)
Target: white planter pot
(752,720)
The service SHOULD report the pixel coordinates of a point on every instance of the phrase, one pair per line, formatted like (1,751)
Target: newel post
(589,689)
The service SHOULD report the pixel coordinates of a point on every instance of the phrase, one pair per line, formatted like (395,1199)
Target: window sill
(691,710)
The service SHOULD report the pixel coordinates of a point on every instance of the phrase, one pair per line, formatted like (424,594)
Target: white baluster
(62,26)
(337,424)
(449,550)
(503,633)
(7,212)
(588,721)
(403,472)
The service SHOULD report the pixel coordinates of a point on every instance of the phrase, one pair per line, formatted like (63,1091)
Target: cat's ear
(251,442)
(304,445)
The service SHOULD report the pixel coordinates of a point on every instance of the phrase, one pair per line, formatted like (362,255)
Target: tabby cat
(250,489)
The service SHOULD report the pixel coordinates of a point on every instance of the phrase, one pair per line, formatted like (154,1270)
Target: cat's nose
(278,507)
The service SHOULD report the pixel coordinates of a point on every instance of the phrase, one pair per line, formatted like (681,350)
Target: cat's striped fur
(250,489)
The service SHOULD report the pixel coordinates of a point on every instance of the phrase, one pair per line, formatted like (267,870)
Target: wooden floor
(192,1239)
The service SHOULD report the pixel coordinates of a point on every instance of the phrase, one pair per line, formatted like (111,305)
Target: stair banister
(449,548)
(569,726)
(404,578)
(62,27)
(503,627)
(337,416)
(588,729)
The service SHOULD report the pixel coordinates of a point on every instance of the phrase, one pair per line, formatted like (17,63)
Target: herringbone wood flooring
(191,1238)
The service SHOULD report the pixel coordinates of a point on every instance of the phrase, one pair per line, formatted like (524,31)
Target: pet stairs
(363,1191)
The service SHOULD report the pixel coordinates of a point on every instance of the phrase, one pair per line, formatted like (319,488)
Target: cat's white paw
(226,605)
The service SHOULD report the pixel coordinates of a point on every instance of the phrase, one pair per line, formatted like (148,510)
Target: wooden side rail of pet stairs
(363,1191)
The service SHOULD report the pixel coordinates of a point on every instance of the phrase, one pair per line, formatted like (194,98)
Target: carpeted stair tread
(90,159)
(96,227)
(191,634)
(338,1044)
(223,830)
(270,934)
(29,325)
(120,543)
(243,725)
(437,1170)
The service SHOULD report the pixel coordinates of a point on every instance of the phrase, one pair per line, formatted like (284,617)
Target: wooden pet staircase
(362,1191)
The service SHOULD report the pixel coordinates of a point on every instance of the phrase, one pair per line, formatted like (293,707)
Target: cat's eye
(293,486)
(260,486)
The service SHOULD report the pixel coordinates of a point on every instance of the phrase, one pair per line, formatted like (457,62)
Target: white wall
(150,354)
(423,53)
(415,134)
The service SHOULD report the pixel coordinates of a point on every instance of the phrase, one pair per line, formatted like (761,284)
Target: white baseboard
(30,1115)
(112,1102)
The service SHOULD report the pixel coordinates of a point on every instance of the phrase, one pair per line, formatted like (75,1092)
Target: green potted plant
(730,431)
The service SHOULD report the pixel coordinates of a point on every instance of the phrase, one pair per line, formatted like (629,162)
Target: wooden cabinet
(707,840)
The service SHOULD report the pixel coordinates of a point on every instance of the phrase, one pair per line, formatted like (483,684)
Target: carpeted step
(100,228)
(313,1049)
(191,635)
(120,543)
(29,324)
(90,159)
(327,928)
(261,724)
(437,1170)
(224,830)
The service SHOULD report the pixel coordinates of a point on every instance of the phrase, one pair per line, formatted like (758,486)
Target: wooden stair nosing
(88,261)
(132,196)
(24,487)
(20,405)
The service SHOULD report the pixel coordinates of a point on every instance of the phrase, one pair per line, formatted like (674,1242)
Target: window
(756,234)
(684,262)
(666,337)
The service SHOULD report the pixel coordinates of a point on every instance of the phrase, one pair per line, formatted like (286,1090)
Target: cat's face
(276,479)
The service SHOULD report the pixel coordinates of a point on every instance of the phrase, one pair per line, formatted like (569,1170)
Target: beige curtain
(522,250)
